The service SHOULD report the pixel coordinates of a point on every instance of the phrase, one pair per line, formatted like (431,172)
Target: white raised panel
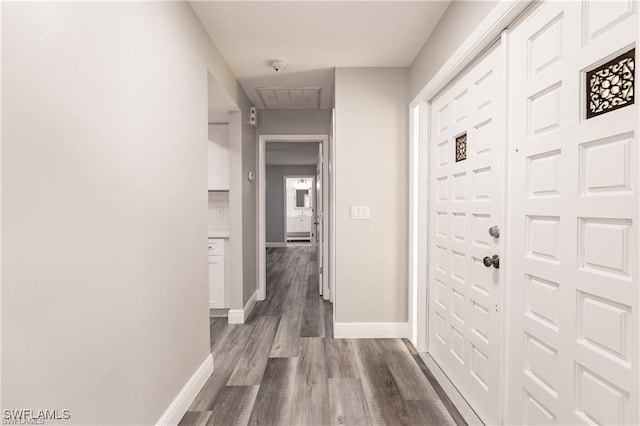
(603,246)
(484,90)
(459,186)
(216,247)
(443,153)
(481,277)
(457,345)
(599,401)
(443,260)
(459,227)
(540,363)
(482,184)
(479,366)
(218,157)
(458,271)
(442,295)
(441,224)
(442,188)
(604,165)
(599,16)
(443,118)
(543,174)
(461,106)
(534,413)
(480,224)
(482,138)
(216,282)
(480,321)
(457,305)
(441,329)
(542,237)
(603,325)
(541,300)
(545,46)
(544,110)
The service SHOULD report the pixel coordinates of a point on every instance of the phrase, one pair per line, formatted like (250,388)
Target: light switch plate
(360,212)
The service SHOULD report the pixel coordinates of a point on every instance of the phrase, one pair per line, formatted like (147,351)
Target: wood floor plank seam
(284,368)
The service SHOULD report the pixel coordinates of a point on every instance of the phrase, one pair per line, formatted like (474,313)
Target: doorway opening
(307,221)
(220,138)
(299,211)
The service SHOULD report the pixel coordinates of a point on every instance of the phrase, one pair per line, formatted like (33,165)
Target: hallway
(284,367)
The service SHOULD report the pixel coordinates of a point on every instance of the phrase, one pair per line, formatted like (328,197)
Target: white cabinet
(299,224)
(217,288)
(218,155)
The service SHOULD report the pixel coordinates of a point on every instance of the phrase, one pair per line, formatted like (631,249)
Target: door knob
(492,261)
(494,231)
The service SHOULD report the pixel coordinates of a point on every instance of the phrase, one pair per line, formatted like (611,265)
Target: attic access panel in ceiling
(289,98)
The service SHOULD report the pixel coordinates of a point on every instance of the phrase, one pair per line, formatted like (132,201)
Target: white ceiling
(291,154)
(313,37)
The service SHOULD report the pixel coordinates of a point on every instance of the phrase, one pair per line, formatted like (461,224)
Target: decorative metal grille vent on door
(461,147)
(610,86)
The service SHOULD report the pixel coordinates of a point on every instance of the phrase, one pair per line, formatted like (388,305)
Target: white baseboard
(370,330)
(239,316)
(176,410)
(276,244)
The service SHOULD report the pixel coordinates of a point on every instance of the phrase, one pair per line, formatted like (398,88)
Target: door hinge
(321,270)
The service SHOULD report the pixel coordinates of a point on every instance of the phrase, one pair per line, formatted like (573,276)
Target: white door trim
(332,212)
(503,14)
(262,258)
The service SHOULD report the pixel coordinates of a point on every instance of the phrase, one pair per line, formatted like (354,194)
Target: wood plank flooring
(283,366)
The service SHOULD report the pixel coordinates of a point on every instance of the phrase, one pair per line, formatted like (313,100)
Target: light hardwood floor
(283,366)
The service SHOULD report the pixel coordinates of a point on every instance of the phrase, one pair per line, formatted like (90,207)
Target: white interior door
(466,199)
(318,228)
(573,209)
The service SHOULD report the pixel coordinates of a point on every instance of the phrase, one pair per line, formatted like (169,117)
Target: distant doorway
(277,154)
(299,212)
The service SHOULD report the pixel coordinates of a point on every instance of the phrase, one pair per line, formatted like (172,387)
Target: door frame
(503,14)
(313,202)
(328,212)
(490,29)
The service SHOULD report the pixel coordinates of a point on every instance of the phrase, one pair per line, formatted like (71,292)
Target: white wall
(291,122)
(457,23)
(249,207)
(104,216)
(371,170)
(218,155)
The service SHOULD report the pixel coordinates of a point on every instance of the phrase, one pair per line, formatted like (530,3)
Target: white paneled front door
(467,199)
(573,214)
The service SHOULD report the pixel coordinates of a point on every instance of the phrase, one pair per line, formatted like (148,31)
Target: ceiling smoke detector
(279,66)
